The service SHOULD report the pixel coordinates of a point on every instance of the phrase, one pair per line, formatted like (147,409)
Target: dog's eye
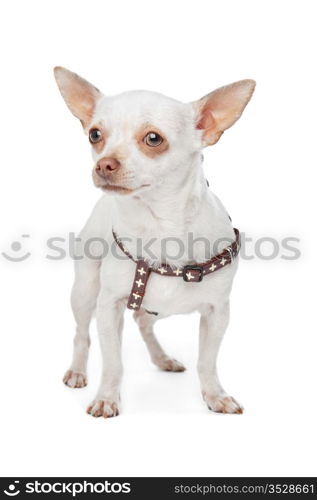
(153,139)
(95,135)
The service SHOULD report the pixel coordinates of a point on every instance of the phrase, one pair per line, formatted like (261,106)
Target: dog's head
(142,140)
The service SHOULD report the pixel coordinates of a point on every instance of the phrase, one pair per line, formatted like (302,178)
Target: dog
(147,151)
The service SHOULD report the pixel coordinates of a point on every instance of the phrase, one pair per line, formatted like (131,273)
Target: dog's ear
(80,96)
(221,108)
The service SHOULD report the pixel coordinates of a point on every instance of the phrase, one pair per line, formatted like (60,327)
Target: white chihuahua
(147,153)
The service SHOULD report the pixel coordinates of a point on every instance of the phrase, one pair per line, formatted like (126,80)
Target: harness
(192,273)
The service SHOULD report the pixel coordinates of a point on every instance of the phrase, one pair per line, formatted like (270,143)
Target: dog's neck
(172,212)
(165,209)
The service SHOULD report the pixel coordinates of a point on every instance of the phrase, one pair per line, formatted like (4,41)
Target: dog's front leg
(109,315)
(213,324)
(83,299)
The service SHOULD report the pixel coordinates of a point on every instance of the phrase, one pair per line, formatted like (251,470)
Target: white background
(264,171)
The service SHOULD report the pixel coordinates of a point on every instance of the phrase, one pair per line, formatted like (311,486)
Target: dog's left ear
(80,96)
(221,108)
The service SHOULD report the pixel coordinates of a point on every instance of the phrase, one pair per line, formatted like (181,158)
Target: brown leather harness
(192,273)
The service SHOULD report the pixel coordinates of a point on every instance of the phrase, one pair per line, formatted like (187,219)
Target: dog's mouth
(115,188)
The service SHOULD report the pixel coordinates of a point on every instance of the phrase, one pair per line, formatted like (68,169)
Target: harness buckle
(193,273)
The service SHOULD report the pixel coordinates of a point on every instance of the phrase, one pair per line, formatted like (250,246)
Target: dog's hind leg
(146,322)
(83,299)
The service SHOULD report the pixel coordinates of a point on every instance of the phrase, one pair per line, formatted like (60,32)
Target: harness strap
(192,273)
(141,277)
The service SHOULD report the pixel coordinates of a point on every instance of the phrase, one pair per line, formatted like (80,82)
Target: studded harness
(192,273)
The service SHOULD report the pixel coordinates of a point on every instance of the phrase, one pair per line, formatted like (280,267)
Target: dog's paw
(222,403)
(170,365)
(75,380)
(103,408)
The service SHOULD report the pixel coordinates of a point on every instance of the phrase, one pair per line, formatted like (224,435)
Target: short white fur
(174,201)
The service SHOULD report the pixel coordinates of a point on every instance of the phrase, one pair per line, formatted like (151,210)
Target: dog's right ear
(80,96)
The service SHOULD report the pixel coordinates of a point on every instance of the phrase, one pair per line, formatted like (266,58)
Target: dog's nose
(106,166)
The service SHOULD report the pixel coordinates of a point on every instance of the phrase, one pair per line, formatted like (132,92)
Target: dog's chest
(169,295)
(164,294)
